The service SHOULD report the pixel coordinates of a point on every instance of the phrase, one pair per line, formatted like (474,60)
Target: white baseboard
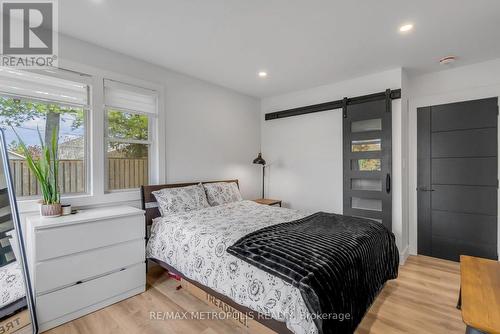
(403,256)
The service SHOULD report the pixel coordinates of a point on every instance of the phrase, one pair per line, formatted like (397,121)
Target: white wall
(304,152)
(211,132)
(456,79)
(304,157)
(481,80)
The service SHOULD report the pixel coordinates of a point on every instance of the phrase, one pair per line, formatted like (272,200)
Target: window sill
(86,200)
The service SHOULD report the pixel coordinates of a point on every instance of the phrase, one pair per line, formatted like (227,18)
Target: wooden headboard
(149,203)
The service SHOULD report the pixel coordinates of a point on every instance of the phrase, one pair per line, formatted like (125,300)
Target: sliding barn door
(368,161)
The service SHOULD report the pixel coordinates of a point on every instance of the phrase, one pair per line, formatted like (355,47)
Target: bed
(196,245)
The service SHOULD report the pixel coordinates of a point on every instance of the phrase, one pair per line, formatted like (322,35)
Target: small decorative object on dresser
(83,262)
(266,201)
(66,209)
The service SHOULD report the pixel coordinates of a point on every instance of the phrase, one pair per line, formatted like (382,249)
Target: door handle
(423,188)
(388,183)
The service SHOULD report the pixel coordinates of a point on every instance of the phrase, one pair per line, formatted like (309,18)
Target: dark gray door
(457,179)
(367,161)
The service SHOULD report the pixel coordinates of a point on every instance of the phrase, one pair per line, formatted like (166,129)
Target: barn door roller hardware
(388,100)
(344,107)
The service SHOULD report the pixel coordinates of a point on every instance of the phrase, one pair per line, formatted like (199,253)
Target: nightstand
(266,201)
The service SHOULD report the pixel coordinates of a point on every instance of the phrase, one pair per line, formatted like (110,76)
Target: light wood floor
(421,300)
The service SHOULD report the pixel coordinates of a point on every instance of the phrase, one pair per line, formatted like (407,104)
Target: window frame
(87,111)
(108,139)
(96,194)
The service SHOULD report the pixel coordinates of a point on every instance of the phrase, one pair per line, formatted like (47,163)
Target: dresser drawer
(68,270)
(64,240)
(65,301)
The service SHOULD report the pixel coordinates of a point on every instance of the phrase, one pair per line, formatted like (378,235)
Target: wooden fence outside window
(123,173)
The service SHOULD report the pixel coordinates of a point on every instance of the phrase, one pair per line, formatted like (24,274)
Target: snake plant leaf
(45,168)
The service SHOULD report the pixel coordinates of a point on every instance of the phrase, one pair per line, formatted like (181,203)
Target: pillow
(182,199)
(222,193)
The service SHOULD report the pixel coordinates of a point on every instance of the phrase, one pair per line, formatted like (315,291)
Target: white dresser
(83,262)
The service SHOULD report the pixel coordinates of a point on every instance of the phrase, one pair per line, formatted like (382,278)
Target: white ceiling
(300,43)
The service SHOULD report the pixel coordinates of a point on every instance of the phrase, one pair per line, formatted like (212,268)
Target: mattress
(195,243)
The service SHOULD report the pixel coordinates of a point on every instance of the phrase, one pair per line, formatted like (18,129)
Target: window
(366,145)
(366,125)
(366,204)
(130,114)
(366,165)
(366,184)
(33,105)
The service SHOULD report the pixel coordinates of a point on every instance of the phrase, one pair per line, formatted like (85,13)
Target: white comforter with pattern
(195,244)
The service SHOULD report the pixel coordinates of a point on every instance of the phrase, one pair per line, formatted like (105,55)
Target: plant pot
(50,210)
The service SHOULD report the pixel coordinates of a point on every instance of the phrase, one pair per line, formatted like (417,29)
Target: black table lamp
(260,161)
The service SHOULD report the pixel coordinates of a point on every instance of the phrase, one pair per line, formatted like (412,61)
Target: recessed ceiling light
(406,27)
(262,74)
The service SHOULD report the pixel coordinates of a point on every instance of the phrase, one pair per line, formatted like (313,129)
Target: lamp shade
(259,160)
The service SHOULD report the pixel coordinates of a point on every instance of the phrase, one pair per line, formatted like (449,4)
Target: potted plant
(45,168)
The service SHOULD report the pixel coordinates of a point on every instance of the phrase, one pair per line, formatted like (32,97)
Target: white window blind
(127,97)
(26,84)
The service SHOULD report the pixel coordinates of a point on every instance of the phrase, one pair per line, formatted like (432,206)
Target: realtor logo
(29,33)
